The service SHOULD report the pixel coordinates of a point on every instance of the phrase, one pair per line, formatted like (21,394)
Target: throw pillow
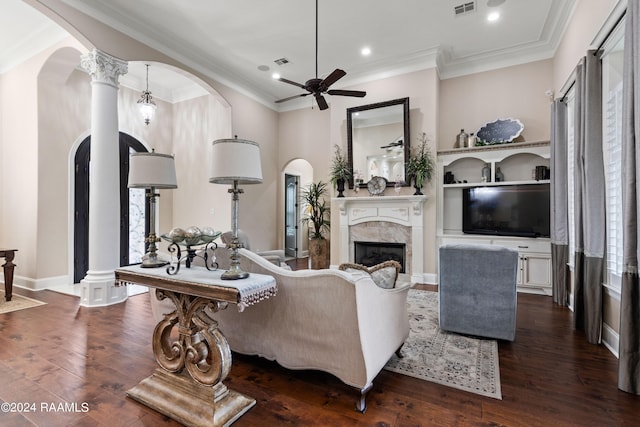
(384,274)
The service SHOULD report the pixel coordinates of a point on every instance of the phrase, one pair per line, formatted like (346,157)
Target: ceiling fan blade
(291,97)
(332,78)
(358,93)
(282,79)
(322,103)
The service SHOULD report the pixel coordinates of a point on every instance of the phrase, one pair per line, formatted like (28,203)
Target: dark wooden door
(81,203)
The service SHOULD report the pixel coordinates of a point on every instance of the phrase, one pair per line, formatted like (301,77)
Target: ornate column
(98,287)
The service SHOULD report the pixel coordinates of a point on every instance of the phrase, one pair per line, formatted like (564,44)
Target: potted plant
(420,164)
(340,171)
(317,218)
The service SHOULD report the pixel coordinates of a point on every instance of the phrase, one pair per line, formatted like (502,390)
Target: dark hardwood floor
(61,353)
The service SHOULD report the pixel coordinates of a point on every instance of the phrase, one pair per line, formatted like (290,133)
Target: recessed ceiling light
(493,16)
(276,76)
(365,51)
(263,67)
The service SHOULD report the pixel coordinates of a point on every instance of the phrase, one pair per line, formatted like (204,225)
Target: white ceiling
(233,40)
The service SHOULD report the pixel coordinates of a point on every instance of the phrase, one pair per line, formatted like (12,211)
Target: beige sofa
(329,320)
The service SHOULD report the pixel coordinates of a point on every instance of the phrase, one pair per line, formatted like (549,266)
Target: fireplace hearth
(373,253)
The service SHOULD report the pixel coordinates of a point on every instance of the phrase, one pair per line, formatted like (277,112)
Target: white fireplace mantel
(403,210)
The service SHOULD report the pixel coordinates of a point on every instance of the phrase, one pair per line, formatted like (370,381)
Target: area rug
(18,302)
(458,361)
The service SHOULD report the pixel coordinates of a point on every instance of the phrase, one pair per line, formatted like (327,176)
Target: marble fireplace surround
(390,219)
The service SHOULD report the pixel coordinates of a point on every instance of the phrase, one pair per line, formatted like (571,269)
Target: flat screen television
(507,210)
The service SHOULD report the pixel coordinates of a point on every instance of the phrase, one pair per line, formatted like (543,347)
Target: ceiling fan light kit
(317,86)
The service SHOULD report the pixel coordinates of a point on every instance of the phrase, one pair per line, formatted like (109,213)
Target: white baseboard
(40,284)
(425,278)
(610,339)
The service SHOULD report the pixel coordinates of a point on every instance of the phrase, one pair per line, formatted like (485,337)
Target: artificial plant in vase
(317,217)
(420,164)
(340,171)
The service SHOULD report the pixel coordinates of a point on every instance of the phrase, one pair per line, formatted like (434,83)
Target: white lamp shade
(235,160)
(152,170)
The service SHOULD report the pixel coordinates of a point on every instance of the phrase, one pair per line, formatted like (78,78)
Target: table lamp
(152,171)
(235,161)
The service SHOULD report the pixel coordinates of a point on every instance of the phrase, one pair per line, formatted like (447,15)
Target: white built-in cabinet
(517,162)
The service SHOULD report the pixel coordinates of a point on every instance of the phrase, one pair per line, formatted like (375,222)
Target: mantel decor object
(376,186)
(151,171)
(234,162)
(420,164)
(340,172)
(500,131)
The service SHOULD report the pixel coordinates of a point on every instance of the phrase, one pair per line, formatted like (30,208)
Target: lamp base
(153,264)
(234,274)
(150,260)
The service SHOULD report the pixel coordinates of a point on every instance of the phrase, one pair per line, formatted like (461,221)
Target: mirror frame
(405,117)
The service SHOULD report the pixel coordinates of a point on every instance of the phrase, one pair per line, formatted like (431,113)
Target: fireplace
(372,253)
(393,221)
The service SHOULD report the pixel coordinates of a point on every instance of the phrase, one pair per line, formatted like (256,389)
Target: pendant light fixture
(145,104)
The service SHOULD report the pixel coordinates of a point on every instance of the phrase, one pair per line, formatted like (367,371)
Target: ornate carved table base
(194,358)
(193,354)
(190,403)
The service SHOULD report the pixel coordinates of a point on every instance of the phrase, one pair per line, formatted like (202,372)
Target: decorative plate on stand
(376,185)
(500,131)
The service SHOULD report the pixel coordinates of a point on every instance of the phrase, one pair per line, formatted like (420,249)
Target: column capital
(103,67)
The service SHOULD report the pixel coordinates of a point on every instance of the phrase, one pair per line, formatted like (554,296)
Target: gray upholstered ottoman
(477,290)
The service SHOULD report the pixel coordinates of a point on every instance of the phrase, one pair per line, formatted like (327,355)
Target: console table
(8,255)
(193,354)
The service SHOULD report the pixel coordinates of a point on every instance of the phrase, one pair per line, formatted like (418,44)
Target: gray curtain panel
(589,198)
(559,204)
(629,335)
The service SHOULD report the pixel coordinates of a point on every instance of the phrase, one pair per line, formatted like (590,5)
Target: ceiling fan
(317,87)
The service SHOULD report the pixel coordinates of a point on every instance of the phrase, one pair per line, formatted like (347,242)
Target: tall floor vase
(318,254)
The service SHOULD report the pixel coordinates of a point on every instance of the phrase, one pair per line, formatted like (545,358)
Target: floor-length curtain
(559,204)
(589,190)
(629,335)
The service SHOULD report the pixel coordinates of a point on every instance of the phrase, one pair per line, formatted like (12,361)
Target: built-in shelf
(485,148)
(517,163)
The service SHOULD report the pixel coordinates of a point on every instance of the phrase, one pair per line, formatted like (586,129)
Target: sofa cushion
(384,274)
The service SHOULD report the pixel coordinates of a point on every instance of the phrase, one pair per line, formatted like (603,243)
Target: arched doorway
(129,213)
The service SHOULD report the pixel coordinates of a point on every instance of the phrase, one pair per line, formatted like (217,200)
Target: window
(612,64)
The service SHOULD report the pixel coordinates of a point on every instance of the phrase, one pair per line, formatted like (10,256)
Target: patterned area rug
(18,302)
(458,361)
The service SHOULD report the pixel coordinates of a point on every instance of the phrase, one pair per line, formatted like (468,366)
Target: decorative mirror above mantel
(378,141)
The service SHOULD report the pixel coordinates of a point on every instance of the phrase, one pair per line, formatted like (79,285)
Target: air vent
(281,61)
(464,8)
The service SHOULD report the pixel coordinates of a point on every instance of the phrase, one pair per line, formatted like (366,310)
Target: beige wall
(513,92)
(34,218)
(64,114)
(19,160)
(586,21)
